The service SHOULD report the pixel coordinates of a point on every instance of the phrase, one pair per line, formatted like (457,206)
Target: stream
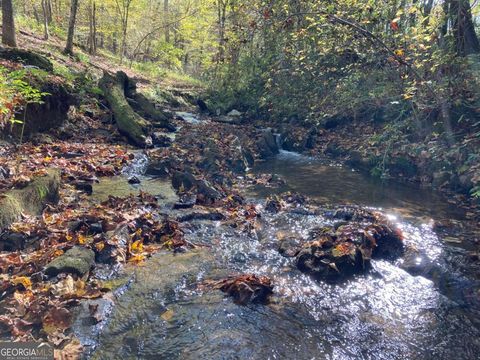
(426,307)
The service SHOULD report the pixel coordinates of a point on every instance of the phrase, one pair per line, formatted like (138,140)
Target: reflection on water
(341,185)
(385,314)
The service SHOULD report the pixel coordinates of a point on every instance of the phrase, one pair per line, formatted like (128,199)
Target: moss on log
(128,122)
(142,105)
(30,200)
(26,57)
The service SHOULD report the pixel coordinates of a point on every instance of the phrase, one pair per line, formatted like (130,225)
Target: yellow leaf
(57,253)
(23,280)
(47,159)
(137,246)
(81,239)
(136,259)
(100,246)
(167,315)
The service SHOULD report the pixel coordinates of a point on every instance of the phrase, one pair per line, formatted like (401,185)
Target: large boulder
(346,248)
(183,181)
(267,144)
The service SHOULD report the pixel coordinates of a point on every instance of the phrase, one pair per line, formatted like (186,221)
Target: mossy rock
(31,199)
(78,260)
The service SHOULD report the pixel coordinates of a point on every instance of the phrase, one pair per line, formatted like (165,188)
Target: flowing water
(389,313)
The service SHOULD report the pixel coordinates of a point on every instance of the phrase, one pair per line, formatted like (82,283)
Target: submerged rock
(244,289)
(78,260)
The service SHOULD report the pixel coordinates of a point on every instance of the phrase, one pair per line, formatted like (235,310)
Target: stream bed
(389,313)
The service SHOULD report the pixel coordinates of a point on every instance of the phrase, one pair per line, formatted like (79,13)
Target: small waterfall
(138,166)
(278,141)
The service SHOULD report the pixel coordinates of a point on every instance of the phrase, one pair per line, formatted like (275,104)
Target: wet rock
(134,180)
(211,158)
(183,180)
(298,141)
(334,121)
(89,227)
(78,260)
(346,248)
(273,205)
(335,150)
(186,201)
(350,213)
(84,186)
(11,241)
(202,106)
(248,157)
(416,263)
(327,262)
(160,168)
(206,193)
(289,246)
(266,144)
(161,140)
(201,216)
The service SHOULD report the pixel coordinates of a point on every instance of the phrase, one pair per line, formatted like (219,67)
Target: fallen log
(29,200)
(142,105)
(128,121)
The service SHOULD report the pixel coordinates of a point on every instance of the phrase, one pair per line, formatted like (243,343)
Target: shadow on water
(386,314)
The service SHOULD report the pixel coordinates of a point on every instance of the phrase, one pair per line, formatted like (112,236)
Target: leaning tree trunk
(71,27)
(131,109)
(8,24)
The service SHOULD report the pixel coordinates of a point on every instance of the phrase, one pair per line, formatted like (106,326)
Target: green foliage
(16,93)
(475,192)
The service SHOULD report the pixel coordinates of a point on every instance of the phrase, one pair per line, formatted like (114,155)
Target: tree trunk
(166,17)
(8,24)
(71,27)
(49,12)
(92,39)
(45,19)
(466,40)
